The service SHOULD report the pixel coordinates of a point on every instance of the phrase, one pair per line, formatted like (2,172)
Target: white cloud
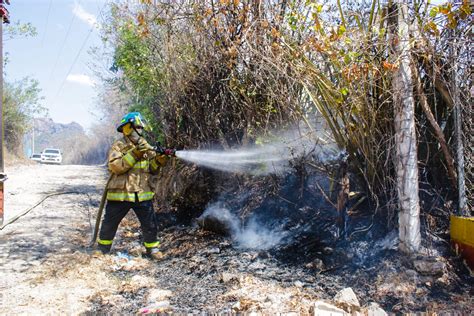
(81,79)
(85,16)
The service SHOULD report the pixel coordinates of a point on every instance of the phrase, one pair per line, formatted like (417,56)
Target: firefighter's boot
(105,249)
(154,253)
(102,250)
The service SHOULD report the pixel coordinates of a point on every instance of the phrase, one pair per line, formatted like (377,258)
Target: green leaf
(341,30)
(434,12)
(317,7)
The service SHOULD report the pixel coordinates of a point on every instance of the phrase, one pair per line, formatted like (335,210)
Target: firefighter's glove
(143,145)
(162,159)
(141,148)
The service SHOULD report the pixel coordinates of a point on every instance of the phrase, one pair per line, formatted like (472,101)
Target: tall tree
(406,160)
(22,102)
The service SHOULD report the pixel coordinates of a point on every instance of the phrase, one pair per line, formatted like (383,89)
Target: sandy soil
(47,268)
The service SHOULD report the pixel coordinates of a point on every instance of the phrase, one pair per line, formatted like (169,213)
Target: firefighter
(132,162)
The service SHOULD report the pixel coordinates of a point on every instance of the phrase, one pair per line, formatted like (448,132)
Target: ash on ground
(204,272)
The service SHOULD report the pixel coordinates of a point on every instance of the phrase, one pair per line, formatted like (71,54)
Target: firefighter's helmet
(136,120)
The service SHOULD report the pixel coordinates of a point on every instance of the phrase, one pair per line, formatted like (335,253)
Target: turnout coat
(133,178)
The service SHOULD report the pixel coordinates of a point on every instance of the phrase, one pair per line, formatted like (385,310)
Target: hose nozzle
(164,151)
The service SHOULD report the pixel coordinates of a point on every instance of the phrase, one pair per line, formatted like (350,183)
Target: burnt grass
(324,249)
(320,252)
(196,258)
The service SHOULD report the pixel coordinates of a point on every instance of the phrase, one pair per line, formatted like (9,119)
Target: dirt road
(36,247)
(47,268)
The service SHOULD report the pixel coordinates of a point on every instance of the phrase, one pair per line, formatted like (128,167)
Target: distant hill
(77,146)
(49,134)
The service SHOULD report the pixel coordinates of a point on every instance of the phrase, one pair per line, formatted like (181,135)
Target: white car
(51,155)
(36,157)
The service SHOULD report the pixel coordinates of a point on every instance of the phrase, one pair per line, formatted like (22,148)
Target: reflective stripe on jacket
(131,177)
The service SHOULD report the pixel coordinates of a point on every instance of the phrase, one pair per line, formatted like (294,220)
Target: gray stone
(156,295)
(375,310)
(429,267)
(214,250)
(347,296)
(257,265)
(226,277)
(321,308)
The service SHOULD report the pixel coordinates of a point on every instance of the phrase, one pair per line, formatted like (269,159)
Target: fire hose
(99,212)
(15,218)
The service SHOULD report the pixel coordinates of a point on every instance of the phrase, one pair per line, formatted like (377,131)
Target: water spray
(265,159)
(254,161)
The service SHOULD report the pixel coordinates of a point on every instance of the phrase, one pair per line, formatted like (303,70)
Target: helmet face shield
(141,122)
(136,120)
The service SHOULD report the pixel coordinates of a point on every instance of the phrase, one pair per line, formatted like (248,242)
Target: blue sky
(54,57)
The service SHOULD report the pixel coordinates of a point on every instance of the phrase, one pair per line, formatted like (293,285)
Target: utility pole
(33,140)
(3,177)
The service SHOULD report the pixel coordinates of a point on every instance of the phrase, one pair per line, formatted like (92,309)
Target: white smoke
(251,236)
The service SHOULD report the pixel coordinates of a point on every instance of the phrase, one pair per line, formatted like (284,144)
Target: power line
(78,54)
(63,44)
(74,62)
(47,21)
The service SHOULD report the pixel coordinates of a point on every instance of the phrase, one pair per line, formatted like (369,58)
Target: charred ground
(325,248)
(47,264)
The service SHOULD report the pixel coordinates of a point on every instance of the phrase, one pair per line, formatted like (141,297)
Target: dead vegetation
(229,73)
(47,267)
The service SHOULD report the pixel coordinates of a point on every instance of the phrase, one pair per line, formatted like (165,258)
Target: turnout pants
(115,211)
